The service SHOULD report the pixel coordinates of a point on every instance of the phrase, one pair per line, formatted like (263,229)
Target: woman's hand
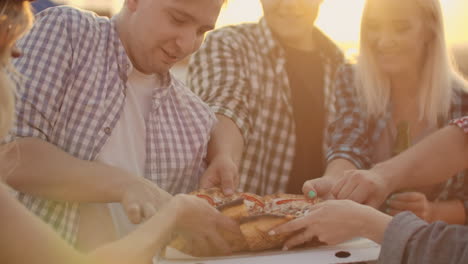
(335,221)
(415,202)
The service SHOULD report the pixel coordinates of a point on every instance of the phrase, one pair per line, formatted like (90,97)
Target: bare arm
(226,140)
(431,161)
(46,171)
(22,231)
(224,155)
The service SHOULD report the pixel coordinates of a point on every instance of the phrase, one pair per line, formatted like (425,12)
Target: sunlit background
(339,19)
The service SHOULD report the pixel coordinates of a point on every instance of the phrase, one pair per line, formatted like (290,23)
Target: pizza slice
(278,209)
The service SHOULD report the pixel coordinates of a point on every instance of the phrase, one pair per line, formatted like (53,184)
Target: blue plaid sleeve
(348,136)
(44,67)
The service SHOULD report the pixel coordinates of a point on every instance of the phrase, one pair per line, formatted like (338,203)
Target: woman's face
(396,34)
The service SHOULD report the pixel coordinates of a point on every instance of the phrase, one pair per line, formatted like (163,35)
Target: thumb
(321,187)
(227,183)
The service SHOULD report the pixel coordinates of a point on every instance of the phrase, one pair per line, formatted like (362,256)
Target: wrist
(123,182)
(375,225)
(431,212)
(386,173)
(176,211)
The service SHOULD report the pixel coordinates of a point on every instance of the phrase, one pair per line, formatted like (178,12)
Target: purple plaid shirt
(73,93)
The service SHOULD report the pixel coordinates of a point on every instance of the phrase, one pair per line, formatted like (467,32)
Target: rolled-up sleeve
(216,74)
(459,189)
(348,136)
(461,123)
(44,67)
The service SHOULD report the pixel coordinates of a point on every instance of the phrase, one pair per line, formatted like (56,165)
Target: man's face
(163,32)
(291,19)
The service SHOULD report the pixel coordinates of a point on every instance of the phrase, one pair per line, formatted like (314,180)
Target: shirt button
(107,130)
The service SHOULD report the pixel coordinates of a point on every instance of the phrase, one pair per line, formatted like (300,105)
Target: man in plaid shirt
(101,119)
(270,85)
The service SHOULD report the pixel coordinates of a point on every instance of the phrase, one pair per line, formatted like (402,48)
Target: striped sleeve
(347,135)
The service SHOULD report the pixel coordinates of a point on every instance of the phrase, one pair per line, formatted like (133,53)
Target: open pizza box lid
(356,250)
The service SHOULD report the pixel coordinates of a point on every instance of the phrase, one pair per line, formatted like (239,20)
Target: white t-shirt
(125,149)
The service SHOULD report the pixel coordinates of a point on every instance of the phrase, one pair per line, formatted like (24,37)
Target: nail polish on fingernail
(312,194)
(272,233)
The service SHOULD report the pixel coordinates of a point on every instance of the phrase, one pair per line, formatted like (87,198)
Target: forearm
(226,140)
(46,171)
(375,224)
(26,239)
(431,161)
(451,212)
(337,167)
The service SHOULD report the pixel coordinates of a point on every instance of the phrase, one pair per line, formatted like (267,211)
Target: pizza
(256,216)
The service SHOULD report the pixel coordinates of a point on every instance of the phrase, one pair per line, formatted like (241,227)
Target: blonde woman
(403,87)
(26,239)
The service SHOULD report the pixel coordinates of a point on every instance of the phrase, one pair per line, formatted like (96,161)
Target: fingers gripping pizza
(256,216)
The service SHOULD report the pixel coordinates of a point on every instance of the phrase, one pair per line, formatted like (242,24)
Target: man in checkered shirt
(101,119)
(270,85)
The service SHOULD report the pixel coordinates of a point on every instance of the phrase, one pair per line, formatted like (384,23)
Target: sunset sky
(338,18)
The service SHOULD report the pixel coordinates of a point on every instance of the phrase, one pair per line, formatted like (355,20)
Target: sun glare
(340,19)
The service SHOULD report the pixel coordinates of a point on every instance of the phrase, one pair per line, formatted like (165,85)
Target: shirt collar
(125,66)
(266,38)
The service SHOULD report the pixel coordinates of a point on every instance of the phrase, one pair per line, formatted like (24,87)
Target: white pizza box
(359,249)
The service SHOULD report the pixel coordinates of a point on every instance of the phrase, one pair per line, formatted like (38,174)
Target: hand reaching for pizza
(325,222)
(222,171)
(320,187)
(362,186)
(141,200)
(202,226)
(415,202)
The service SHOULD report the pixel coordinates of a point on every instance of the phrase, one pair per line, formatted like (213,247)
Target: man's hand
(362,186)
(222,171)
(202,225)
(415,202)
(142,199)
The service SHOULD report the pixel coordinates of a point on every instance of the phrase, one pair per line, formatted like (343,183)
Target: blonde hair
(438,74)
(15,19)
